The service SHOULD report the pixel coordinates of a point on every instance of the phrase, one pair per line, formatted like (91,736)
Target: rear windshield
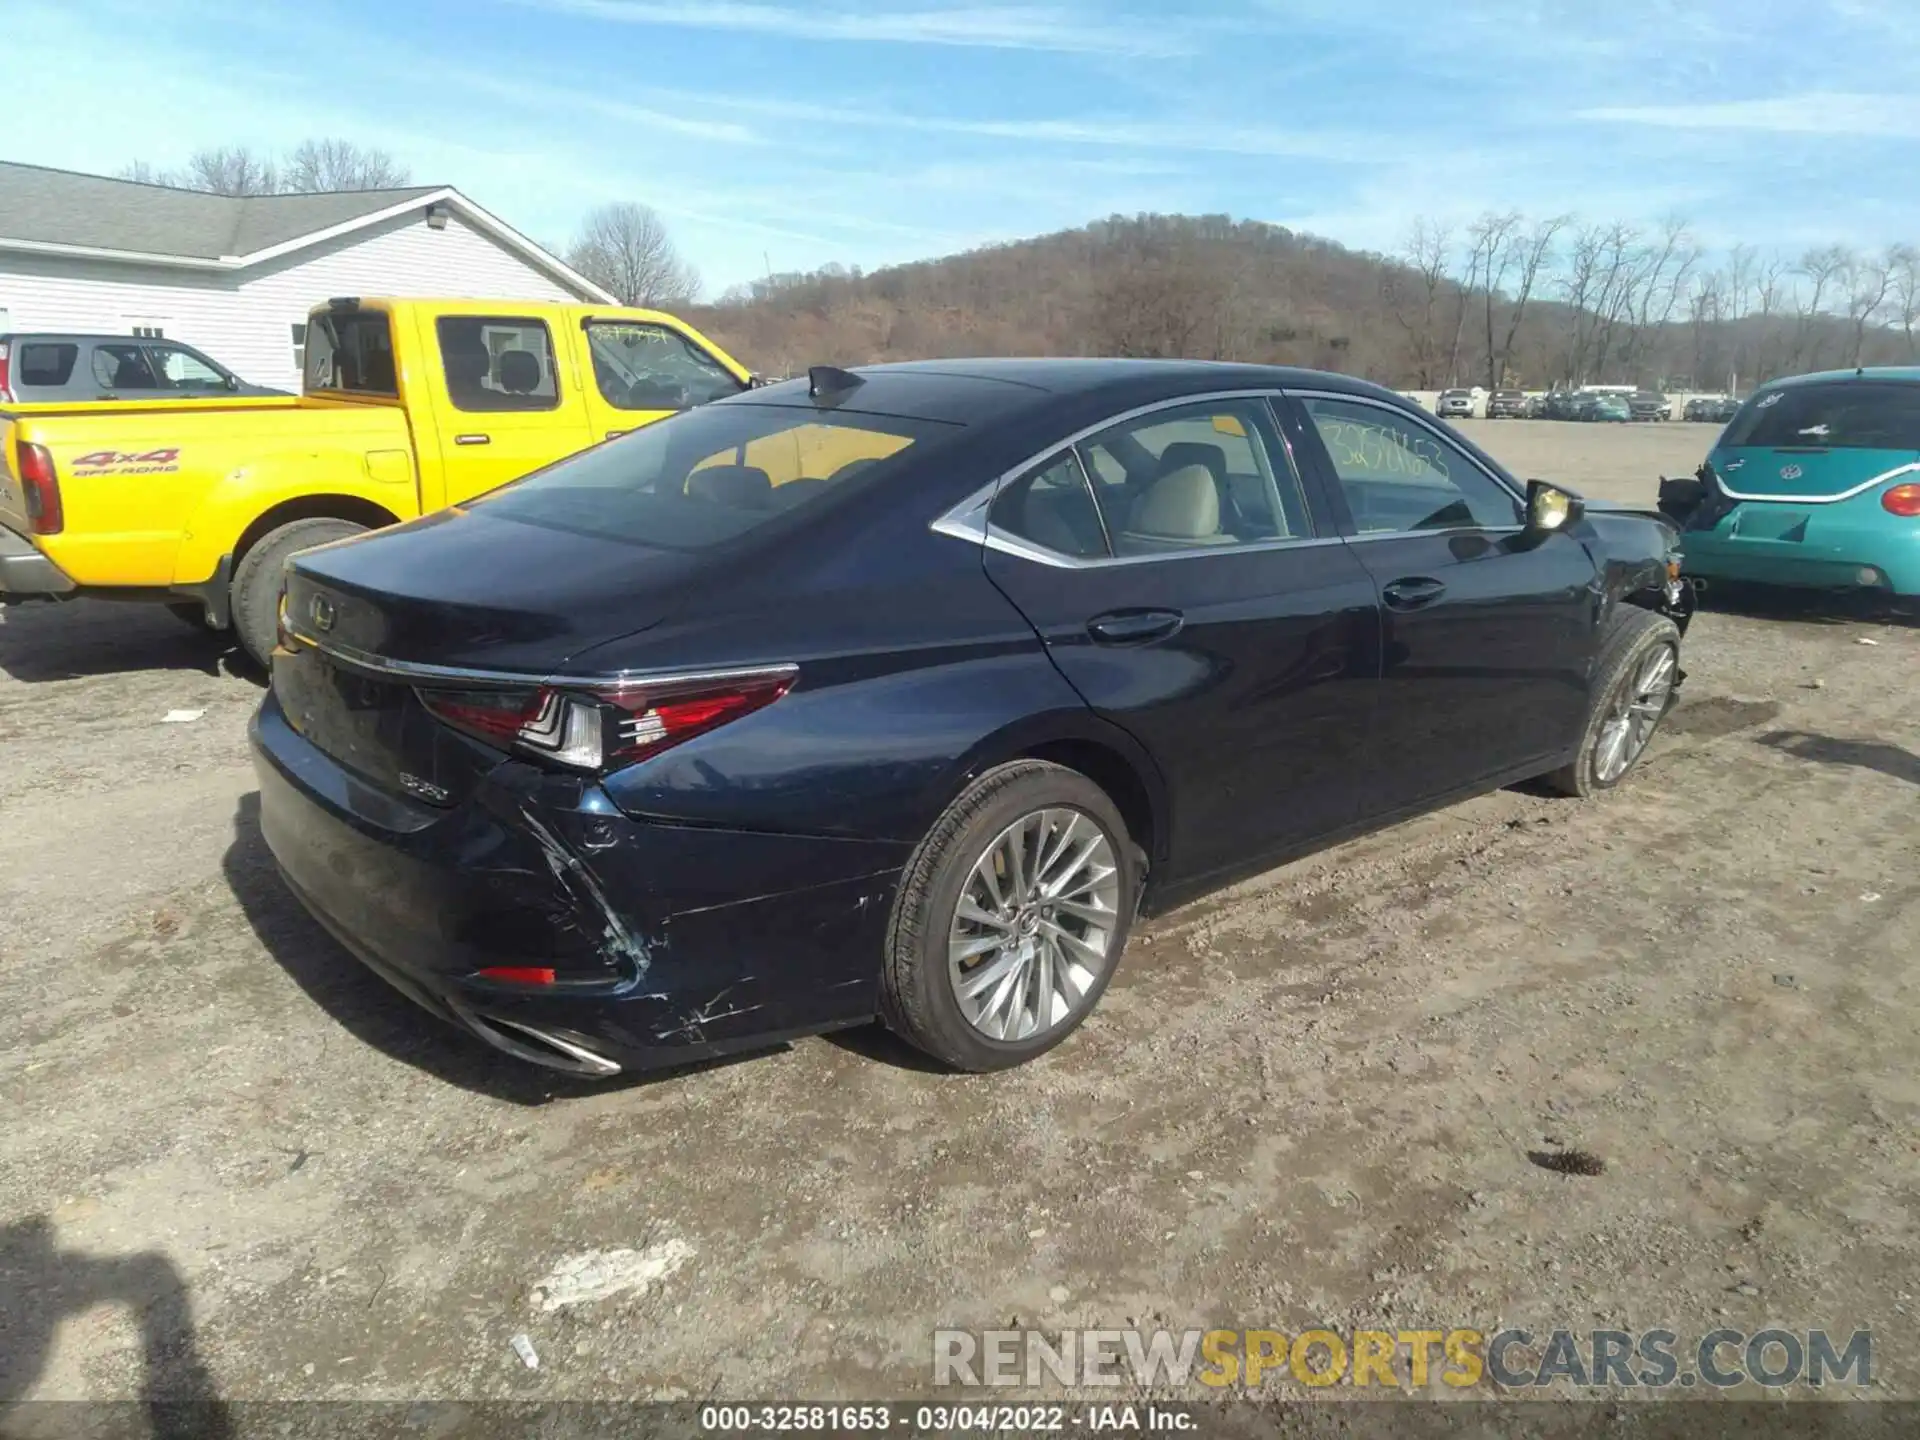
(351,350)
(44,362)
(1843,415)
(711,475)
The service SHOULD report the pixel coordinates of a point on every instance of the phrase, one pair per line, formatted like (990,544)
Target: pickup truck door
(635,372)
(505,401)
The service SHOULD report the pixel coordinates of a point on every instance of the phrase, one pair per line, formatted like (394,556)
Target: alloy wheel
(1637,708)
(1033,930)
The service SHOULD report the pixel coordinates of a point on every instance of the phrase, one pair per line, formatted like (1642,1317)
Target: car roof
(980,390)
(15,335)
(1907,373)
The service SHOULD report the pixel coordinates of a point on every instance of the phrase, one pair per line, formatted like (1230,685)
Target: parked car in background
(1560,405)
(1814,483)
(1507,405)
(1454,405)
(1699,409)
(1605,407)
(48,367)
(573,767)
(1649,405)
(409,405)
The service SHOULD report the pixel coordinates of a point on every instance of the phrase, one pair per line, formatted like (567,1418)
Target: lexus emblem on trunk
(1791,472)
(322,612)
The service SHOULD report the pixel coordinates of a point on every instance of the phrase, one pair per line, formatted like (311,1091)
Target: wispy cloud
(1816,113)
(992,27)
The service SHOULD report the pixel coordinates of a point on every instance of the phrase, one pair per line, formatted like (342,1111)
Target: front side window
(1843,415)
(1202,475)
(1399,475)
(1051,507)
(183,370)
(649,367)
(702,478)
(351,350)
(123,367)
(495,363)
(45,362)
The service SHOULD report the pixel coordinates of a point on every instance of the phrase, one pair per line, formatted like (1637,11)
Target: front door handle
(473,439)
(1415,592)
(1134,627)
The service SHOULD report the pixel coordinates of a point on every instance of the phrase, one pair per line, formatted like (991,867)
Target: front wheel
(1011,918)
(1634,686)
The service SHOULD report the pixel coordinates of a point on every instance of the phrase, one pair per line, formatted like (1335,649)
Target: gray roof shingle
(59,207)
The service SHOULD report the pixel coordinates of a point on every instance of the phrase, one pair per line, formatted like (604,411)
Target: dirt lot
(233,1160)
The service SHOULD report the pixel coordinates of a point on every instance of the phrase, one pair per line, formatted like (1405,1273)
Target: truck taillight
(602,727)
(6,373)
(1902,500)
(42,486)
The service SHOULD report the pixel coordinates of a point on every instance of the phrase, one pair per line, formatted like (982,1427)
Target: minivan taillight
(35,465)
(603,727)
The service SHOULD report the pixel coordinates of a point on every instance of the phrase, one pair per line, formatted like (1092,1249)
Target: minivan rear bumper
(669,943)
(25,573)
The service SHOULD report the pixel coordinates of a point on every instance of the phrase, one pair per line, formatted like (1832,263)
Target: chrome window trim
(968,519)
(419,672)
(1419,418)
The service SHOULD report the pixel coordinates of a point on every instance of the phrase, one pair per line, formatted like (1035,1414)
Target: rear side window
(649,367)
(123,367)
(497,362)
(1051,507)
(44,363)
(351,350)
(714,474)
(1843,415)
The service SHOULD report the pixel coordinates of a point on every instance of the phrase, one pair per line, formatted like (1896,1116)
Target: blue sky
(791,133)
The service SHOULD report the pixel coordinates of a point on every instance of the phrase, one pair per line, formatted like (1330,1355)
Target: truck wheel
(261,576)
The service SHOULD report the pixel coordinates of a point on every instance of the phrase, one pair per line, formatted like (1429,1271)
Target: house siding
(244,318)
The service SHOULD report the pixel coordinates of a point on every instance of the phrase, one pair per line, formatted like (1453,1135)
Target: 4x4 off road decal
(117,462)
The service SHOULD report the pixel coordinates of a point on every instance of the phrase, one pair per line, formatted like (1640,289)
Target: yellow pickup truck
(408,406)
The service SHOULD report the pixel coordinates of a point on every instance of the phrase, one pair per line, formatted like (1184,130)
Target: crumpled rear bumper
(668,943)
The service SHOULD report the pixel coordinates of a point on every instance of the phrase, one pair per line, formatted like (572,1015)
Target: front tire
(1634,685)
(1011,918)
(261,576)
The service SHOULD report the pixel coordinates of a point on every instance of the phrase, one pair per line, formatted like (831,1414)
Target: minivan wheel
(262,575)
(1011,918)
(1634,687)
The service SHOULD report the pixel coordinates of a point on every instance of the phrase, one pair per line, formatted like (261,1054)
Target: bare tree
(625,248)
(1493,241)
(1824,269)
(1532,255)
(317,165)
(1867,279)
(232,170)
(1904,263)
(1412,290)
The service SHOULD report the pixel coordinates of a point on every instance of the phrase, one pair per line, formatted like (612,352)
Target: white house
(236,276)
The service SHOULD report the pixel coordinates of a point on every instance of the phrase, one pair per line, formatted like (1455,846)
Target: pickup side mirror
(1549,508)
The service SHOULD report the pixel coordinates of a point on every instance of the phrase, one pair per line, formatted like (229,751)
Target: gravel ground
(233,1161)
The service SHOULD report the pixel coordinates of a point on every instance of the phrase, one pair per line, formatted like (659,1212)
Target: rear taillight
(42,486)
(6,374)
(602,727)
(1902,500)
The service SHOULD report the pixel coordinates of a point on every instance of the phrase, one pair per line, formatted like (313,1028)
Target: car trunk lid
(481,604)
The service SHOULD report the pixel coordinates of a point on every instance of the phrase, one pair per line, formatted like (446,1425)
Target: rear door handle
(1134,627)
(473,439)
(1412,593)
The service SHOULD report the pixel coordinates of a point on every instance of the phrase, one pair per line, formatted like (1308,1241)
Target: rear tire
(1634,687)
(1049,981)
(261,576)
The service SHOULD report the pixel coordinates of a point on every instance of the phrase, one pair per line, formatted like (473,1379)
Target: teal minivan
(1815,482)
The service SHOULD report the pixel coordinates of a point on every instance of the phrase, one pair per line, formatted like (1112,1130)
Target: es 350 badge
(118,462)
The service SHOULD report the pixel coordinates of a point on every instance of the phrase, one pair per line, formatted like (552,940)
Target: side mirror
(756,380)
(1550,508)
(232,382)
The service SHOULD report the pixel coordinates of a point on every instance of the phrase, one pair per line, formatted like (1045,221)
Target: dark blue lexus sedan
(900,692)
